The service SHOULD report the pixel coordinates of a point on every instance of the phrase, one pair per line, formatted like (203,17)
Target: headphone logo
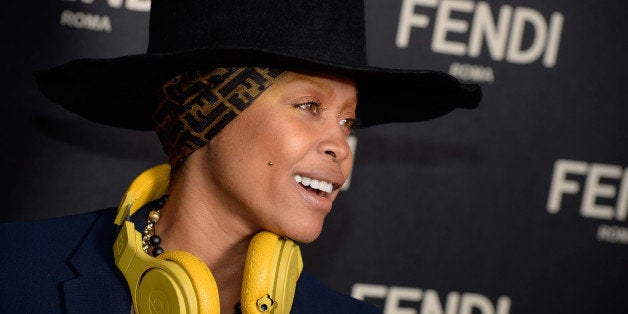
(157,302)
(120,245)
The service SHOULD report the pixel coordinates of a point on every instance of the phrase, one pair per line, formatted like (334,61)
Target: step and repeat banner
(518,206)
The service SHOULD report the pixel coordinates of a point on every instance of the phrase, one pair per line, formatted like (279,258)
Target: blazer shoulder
(40,244)
(312,296)
(37,257)
(51,233)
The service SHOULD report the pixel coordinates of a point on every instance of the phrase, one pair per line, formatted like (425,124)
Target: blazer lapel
(99,287)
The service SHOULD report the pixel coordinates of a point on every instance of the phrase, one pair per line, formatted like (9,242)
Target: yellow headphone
(179,282)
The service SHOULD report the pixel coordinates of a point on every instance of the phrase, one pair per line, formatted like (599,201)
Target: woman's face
(296,131)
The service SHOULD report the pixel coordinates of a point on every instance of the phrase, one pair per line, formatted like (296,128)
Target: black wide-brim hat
(303,35)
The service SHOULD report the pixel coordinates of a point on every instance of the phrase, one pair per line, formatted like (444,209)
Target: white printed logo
(604,195)
(132,5)
(352,140)
(503,34)
(99,22)
(88,21)
(456,303)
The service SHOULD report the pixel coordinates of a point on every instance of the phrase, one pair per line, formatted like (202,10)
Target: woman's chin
(306,238)
(304,233)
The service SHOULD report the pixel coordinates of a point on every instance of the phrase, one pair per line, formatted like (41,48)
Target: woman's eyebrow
(313,82)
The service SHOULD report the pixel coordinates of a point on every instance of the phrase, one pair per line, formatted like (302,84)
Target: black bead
(164,198)
(157,250)
(155,240)
(237,308)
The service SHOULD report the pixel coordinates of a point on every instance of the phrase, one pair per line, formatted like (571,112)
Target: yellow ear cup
(156,286)
(176,282)
(272,268)
(203,281)
(165,289)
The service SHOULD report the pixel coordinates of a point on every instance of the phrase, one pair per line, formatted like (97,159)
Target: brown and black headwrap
(195,105)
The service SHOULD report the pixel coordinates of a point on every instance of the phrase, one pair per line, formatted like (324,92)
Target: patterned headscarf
(195,105)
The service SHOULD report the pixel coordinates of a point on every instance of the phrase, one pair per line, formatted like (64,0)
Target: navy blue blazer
(66,265)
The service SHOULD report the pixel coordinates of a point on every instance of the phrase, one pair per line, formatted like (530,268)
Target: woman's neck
(192,224)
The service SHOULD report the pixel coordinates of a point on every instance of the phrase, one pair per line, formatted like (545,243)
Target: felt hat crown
(323,35)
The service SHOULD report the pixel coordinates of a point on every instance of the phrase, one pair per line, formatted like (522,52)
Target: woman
(254,104)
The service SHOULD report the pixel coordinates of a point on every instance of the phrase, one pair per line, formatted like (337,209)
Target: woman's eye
(310,106)
(348,123)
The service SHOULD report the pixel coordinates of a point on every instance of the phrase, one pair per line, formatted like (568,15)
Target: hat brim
(121,91)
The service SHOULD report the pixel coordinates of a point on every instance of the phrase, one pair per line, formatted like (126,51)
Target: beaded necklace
(150,240)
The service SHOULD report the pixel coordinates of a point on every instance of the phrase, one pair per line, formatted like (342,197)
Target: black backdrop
(519,206)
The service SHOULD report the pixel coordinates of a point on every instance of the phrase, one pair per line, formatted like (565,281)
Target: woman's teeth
(315,184)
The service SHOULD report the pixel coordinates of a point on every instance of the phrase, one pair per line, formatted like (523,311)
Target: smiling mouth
(320,187)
